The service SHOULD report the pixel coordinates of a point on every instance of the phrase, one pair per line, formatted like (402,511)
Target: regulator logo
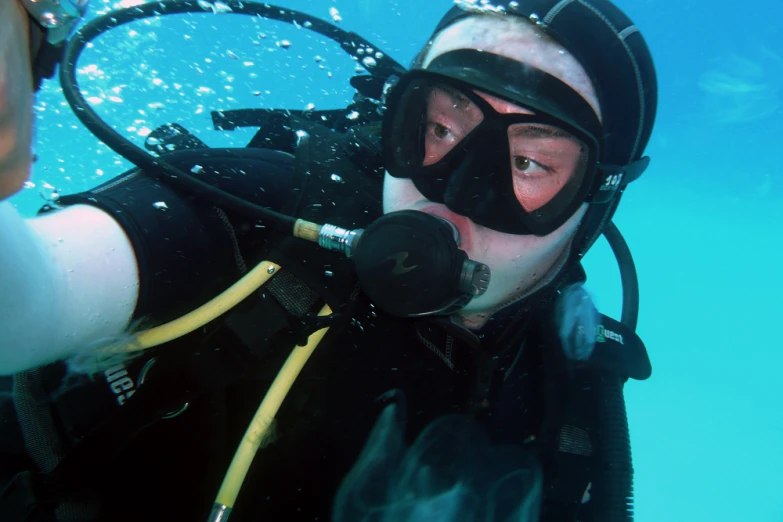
(612,182)
(604,334)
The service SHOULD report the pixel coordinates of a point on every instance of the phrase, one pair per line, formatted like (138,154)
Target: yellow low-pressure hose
(257,431)
(202,315)
(216,307)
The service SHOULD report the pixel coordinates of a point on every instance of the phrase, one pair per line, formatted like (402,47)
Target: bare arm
(67,280)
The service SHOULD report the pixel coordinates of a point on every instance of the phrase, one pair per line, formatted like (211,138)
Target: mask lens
(548,167)
(431,121)
(450,116)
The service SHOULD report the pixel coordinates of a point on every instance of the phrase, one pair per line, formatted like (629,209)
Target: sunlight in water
(741,90)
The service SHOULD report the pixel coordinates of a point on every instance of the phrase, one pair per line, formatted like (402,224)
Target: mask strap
(615,177)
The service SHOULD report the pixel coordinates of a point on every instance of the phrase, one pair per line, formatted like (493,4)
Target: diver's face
(517,262)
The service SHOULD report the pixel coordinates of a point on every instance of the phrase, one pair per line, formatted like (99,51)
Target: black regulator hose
(628,276)
(612,489)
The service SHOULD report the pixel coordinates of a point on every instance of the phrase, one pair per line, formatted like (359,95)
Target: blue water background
(703,222)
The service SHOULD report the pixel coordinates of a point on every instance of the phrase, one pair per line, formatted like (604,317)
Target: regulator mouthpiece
(410,265)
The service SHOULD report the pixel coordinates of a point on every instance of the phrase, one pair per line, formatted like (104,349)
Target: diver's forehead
(503,106)
(519,41)
(500,105)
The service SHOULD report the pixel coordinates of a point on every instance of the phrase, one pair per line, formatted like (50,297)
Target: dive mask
(514,173)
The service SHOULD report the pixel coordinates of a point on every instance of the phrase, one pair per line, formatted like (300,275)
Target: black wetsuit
(511,374)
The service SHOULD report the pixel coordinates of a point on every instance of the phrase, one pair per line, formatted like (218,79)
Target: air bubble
(216,8)
(220,7)
(336,177)
(285,44)
(369,61)
(300,134)
(335,14)
(160,205)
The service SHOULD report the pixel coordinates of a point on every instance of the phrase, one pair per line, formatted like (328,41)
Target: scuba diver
(403,289)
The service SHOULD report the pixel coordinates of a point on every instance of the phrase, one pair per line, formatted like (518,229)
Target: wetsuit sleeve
(187,249)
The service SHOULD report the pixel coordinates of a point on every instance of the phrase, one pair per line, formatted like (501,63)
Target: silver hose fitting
(335,238)
(219,513)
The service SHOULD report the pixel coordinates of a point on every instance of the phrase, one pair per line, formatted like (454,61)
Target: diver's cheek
(399,194)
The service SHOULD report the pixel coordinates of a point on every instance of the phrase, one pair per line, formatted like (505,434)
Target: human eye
(529,167)
(439,139)
(438,130)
